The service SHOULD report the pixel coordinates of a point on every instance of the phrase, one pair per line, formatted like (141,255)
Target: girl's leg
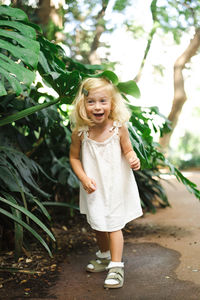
(116,245)
(115,276)
(103,255)
(102,240)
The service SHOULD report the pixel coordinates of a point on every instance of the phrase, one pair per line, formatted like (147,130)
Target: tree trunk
(50,10)
(44,11)
(93,56)
(179,91)
(150,38)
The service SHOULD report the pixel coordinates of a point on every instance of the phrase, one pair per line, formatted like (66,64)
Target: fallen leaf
(53,266)
(20,259)
(14,265)
(64,228)
(23,281)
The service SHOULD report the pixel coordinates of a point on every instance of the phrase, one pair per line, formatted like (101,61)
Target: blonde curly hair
(119,110)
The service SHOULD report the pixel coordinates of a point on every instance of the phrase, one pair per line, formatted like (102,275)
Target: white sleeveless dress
(116,200)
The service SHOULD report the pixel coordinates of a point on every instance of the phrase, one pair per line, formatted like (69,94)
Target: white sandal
(116,274)
(98,265)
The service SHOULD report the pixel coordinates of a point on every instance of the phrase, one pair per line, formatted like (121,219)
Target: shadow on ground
(149,275)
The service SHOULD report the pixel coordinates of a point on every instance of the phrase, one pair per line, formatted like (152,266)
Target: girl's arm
(127,149)
(88,184)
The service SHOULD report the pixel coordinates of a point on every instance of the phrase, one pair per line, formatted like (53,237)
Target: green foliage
(17,218)
(17,183)
(130,87)
(187,154)
(19,48)
(151,191)
(120,5)
(143,127)
(17,172)
(178,16)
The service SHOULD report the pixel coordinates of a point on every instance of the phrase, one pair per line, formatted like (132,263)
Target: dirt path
(161,257)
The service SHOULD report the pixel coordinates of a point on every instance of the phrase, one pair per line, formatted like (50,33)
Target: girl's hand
(134,163)
(89,185)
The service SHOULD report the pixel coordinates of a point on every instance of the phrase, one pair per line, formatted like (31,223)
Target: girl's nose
(97,105)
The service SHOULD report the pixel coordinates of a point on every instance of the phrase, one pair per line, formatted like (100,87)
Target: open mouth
(99,115)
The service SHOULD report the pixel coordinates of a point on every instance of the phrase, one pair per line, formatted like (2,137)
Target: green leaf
(72,180)
(25,30)
(18,227)
(31,230)
(14,13)
(24,168)
(26,55)
(20,45)
(13,82)
(25,42)
(34,26)
(44,64)
(8,179)
(30,215)
(120,5)
(2,90)
(18,235)
(85,68)
(24,75)
(26,112)
(108,75)
(129,87)
(43,209)
(60,204)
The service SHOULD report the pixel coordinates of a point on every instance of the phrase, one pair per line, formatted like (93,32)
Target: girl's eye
(90,101)
(103,100)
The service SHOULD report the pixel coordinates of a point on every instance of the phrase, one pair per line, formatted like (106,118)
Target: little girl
(102,156)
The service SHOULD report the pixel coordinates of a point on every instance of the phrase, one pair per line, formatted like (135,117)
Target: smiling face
(98,105)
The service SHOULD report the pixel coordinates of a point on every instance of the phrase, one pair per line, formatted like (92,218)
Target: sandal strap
(100,261)
(99,265)
(116,273)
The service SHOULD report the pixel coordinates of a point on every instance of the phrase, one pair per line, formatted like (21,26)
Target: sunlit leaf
(110,76)
(129,87)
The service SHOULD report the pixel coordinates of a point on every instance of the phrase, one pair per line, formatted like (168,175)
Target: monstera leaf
(19,50)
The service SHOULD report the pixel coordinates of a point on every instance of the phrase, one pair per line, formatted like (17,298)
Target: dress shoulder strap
(116,125)
(83,130)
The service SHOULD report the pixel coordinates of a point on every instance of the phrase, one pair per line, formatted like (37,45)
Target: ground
(161,258)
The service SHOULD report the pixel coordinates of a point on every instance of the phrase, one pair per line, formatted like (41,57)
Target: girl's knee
(118,232)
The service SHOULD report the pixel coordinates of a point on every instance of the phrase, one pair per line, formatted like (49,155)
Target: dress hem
(117,227)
